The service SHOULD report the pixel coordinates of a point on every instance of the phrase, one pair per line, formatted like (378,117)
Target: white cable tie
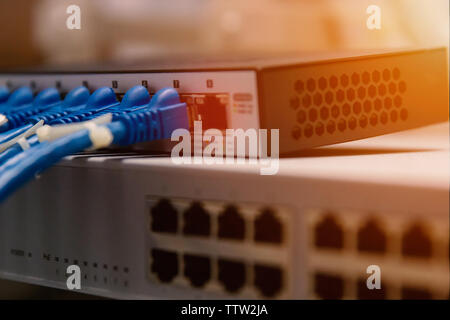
(23,143)
(50,133)
(3,119)
(25,135)
(100,136)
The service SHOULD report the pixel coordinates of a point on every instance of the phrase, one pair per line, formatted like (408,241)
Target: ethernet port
(231,274)
(268,280)
(364,293)
(416,242)
(268,227)
(164,217)
(197,269)
(410,293)
(196,220)
(371,238)
(328,233)
(231,224)
(212,111)
(328,286)
(164,264)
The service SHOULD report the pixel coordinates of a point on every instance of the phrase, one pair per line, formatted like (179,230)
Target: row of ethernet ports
(232,275)
(371,237)
(196,220)
(332,286)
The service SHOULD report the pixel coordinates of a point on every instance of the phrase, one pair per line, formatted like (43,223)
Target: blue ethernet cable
(48,99)
(135,99)
(18,123)
(20,97)
(4,94)
(140,125)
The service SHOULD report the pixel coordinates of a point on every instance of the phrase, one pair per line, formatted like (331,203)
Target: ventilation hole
(409,293)
(268,280)
(386,75)
(328,233)
(333,82)
(196,221)
(382,89)
(357,107)
(392,88)
(268,227)
(416,242)
(398,101)
(396,73)
(351,94)
(404,114)
(355,79)
(372,91)
(297,133)
(364,293)
(301,116)
(164,217)
(299,86)
(308,130)
(164,264)
(387,103)
(294,102)
(344,80)
(197,269)
(306,101)
(373,119)
(402,86)
(320,129)
(335,111)
(367,106)
(352,123)
(376,76)
(324,113)
(394,116)
(342,125)
(311,85)
(378,104)
(313,115)
(231,274)
(363,121)
(329,97)
(331,126)
(383,117)
(365,77)
(322,83)
(340,95)
(231,224)
(346,109)
(371,238)
(317,99)
(328,286)
(361,92)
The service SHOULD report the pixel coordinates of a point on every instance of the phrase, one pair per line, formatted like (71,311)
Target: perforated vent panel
(346,102)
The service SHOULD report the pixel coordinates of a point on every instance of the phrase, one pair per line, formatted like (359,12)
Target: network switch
(143,227)
(314,100)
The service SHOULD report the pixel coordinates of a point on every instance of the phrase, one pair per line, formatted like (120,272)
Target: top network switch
(314,100)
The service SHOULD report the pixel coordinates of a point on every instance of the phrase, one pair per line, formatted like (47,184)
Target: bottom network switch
(143,227)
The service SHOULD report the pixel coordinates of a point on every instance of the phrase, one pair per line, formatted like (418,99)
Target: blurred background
(35,33)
